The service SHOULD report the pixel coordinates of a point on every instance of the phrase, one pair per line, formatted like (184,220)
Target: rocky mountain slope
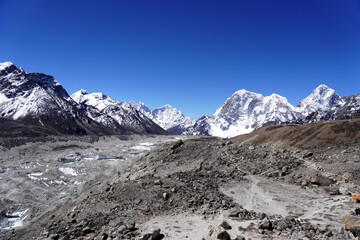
(38,99)
(166,116)
(119,116)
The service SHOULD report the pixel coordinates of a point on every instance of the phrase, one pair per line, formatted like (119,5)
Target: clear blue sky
(189,54)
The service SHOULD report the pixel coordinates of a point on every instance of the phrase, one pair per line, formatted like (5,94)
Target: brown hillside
(309,135)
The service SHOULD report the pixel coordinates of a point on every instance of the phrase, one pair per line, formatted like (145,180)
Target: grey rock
(321,180)
(239,238)
(235,213)
(130,224)
(225,225)
(266,224)
(152,234)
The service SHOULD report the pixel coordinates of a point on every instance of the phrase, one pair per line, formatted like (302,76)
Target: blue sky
(191,54)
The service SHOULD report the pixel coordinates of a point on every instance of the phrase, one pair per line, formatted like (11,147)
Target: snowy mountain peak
(243,112)
(241,100)
(166,116)
(167,106)
(97,100)
(5,65)
(141,107)
(83,92)
(322,98)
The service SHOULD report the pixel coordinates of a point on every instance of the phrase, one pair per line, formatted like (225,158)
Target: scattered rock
(215,233)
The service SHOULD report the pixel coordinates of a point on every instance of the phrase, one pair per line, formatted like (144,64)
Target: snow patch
(68,171)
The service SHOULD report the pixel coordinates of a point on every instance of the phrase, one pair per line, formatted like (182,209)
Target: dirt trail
(273,197)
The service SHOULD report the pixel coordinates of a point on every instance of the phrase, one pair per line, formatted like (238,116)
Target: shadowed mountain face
(36,99)
(118,116)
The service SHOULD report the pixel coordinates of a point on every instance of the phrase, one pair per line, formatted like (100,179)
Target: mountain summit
(322,98)
(166,116)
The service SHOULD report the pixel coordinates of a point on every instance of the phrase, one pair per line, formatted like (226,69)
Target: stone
(352,224)
(322,228)
(357,211)
(266,224)
(216,233)
(177,144)
(235,213)
(321,180)
(344,190)
(165,196)
(356,197)
(122,228)
(332,190)
(239,238)
(225,225)
(130,224)
(282,225)
(152,234)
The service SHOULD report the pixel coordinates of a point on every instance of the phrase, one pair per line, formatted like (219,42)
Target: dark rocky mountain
(37,99)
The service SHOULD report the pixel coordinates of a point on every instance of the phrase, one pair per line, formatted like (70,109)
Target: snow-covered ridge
(246,111)
(5,65)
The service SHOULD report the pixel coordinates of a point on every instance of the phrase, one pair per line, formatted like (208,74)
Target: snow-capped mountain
(243,112)
(114,114)
(321,99)
(246,111)
(346,108)
(166,116)
(38,99)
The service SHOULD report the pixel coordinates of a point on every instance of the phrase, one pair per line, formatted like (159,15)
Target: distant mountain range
(39,101)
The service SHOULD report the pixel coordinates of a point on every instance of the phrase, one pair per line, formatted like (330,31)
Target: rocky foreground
(208,188)
(195,180)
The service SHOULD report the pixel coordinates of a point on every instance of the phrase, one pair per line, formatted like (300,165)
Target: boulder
(321,180)
(266,224)
(225,225)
